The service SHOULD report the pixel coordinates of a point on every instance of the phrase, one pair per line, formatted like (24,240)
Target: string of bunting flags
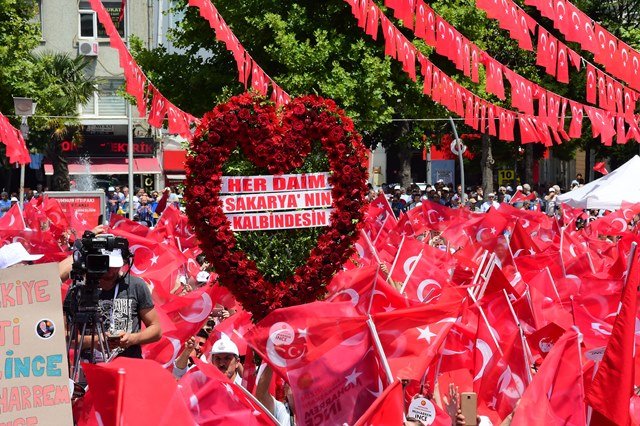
(552,55)
(145,93)
(453,45)
(139,86)
(616,56)
(247,66)
(15,146)
(448,42)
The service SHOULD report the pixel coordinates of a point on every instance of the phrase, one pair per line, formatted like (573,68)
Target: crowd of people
(145,202)
(473,198)
(127,302)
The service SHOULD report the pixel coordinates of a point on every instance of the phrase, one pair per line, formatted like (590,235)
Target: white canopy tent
(610,191)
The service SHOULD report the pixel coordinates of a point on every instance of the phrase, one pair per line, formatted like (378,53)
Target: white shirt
(281,413)
(488,204)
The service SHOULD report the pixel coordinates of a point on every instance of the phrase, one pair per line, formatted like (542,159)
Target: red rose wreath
(277,141)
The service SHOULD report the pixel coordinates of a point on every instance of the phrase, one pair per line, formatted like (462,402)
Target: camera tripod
(87,323)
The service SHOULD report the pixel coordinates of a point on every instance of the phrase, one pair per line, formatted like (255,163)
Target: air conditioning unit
(88,48)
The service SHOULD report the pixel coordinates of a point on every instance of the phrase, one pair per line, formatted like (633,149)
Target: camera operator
(123,302)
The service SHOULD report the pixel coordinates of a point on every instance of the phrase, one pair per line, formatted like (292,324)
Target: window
(89,25)
(106,102)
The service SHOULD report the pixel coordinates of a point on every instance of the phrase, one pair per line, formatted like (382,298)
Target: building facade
(72,27)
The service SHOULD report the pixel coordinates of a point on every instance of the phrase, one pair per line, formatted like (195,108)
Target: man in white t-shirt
(491,202)
(283,413)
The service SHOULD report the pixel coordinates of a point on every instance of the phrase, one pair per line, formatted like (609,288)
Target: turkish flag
(373,20)
(556,393)
(520,239)
(577,114)
(366,290)
(507,122)
(12,220)
(542,52)
(426,23)
(412,337)
(118,386)
(57,219)
(505,381)
(543,339)
(601,124)
(430,277)
(495,83)
(387,409)
(615,223)
(408,254)
(616,371)
(591,84)
(158,111)
(121,223)
(388,30)
(16,148)
(215,400)
(324,347)
(563,63)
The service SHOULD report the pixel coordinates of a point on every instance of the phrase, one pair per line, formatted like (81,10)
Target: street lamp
(24,108)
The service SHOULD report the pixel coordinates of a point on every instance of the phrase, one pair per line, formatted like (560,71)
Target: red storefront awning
(112,166)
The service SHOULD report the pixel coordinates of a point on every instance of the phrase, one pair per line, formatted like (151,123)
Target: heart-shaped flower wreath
(277,142)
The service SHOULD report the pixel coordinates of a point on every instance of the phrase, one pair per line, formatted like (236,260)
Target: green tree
(19,34)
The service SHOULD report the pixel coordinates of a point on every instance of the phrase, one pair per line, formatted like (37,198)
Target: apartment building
(71,26)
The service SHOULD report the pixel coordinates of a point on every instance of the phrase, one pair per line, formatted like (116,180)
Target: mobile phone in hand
(469,407)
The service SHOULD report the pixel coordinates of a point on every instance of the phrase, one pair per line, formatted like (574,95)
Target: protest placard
(34,376)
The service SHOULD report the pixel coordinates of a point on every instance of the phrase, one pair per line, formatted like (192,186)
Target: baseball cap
(111,188)
(14,200)
(491,194)
(519,188)
(552,189)
(14,253)
(115,258)
(440,181)
(224,346)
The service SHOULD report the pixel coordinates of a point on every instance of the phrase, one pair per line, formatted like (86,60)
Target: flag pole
(258,403)
(120,403)
(564,271)
(373,289)
(459,148)
(521,333)
(413,268)
(129,122)
(383,357)
(486,321)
